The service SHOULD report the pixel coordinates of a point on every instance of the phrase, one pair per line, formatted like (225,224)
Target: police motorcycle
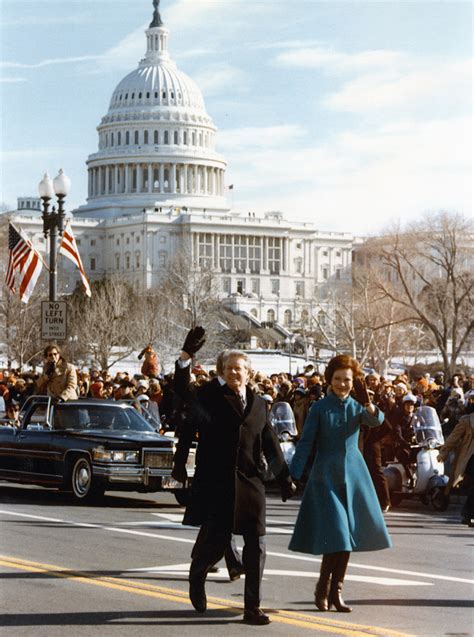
(283,424)
(427,481)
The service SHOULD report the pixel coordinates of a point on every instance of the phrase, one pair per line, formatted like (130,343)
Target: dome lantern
(156,22)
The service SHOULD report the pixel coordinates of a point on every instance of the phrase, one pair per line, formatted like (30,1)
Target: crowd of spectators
(151,392)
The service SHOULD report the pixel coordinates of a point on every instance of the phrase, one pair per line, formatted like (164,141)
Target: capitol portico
(157,187)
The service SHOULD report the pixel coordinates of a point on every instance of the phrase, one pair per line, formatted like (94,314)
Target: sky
(354,115)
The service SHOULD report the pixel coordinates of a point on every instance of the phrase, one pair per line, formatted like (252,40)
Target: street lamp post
(53,222)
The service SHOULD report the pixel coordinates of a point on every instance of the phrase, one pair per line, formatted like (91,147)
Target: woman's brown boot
(337,580)
(322,587)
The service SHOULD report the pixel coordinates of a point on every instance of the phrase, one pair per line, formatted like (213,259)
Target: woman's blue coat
(339,510)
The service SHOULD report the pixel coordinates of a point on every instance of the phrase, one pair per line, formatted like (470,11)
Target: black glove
(195,339)
(49,368)
(288,490)
(360,391)
(179,473)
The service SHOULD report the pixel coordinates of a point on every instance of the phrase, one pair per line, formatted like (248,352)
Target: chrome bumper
(137,475)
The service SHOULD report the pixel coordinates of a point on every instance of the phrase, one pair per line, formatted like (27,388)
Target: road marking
(300,620)
(183,569)
(288,555)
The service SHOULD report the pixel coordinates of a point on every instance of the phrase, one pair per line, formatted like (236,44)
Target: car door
(34,460)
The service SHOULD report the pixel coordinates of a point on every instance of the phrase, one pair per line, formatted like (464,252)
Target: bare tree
(186,296)
(21,328)
(425,273)
(103,323)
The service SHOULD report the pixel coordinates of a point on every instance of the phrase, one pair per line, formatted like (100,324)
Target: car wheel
(81,481)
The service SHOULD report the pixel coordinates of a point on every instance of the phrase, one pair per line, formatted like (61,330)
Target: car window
(37,415)
(106,418)
(77,418)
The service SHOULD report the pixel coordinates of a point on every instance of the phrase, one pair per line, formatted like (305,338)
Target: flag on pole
(68,247)
(24,260)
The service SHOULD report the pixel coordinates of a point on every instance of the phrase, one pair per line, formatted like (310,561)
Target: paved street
(121,569)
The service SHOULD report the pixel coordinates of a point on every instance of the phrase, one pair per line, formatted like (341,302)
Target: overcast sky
(351,114)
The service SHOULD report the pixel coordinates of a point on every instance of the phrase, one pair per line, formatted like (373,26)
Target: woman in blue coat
(339,512)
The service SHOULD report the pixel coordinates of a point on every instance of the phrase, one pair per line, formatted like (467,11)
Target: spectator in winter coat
(59,378)
(151,366)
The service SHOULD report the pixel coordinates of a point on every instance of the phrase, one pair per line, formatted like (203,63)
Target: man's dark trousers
(210,546)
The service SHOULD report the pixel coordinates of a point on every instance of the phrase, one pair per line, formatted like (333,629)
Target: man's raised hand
(195,339)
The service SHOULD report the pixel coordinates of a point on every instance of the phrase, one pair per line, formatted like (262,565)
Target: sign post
(53,320)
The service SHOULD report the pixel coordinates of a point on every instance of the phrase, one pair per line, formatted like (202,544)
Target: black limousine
(87,447)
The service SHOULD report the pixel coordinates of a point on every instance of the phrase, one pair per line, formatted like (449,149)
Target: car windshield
(106,417)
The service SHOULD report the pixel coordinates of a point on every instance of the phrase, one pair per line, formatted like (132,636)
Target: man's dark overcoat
(227,489)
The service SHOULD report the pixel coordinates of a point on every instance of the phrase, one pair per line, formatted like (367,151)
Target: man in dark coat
(228,493)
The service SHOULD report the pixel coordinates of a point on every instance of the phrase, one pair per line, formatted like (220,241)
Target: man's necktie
(242,402)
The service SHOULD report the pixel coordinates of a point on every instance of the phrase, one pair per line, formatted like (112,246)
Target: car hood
(139,437)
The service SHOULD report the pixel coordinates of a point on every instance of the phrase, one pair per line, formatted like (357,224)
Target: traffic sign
(53,320)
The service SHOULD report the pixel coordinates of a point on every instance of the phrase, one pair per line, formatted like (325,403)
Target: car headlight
(106,455)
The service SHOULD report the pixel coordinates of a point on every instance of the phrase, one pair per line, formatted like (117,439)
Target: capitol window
(139,96)
(92,264)
(176,140)
(287,317)
(162,238)
(255,254)
(225,253)
(111,139)
(274,255)
(226,285)
(127,262)
(240,253)
(136,138)
(117,262)
(270,316)
(155,137)
(299,288)
(119,138)
(145,137)
(166,139)
(275,286)
(185,138)
(127,138)
(162,259)
(205,250)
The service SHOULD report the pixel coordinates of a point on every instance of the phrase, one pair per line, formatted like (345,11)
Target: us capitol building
(157,186)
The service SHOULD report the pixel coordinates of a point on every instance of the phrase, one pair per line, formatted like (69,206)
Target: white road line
(183,569)
(287,555)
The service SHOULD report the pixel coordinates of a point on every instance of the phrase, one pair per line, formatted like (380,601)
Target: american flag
(68,247)
(23,259)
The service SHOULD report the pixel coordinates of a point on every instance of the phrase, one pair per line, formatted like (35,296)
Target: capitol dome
(156,142)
